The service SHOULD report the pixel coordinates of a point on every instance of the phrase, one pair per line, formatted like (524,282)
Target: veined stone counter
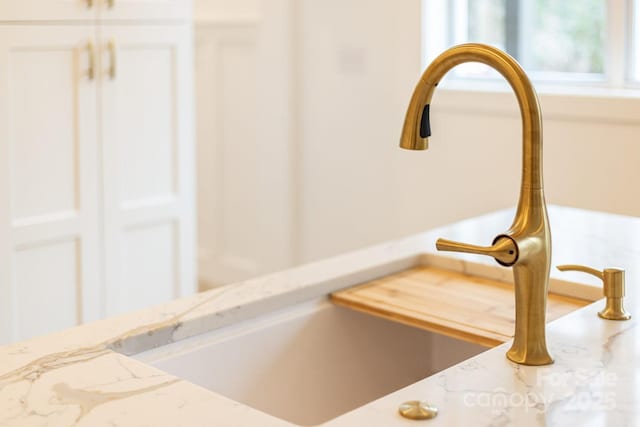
(83,377)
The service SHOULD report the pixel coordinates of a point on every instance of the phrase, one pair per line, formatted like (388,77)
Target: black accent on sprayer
(425,123)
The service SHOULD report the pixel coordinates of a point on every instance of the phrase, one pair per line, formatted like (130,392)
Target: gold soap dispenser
(613,279)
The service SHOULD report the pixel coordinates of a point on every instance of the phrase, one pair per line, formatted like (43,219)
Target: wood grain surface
(466,307)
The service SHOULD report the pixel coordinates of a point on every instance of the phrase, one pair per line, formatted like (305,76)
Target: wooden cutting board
(469,308)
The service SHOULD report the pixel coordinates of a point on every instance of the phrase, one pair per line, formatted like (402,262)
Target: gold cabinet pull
(89,4)
(91,71)
(113,58)
(110,3)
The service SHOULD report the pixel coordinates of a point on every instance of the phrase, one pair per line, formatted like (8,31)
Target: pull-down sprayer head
(417,126)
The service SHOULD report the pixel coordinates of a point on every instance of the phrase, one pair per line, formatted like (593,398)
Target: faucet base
(536,358)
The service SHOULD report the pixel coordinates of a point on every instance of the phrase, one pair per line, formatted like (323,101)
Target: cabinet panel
(143,109)
(146,283)
(46,288)
(144,10)
(148,164)
(48,181)
(49,10)
(43,145)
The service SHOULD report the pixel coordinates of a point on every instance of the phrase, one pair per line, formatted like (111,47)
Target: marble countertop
(83,376)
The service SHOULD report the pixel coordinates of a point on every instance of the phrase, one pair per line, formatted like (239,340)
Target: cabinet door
(48,181)
(146,10)
(148,138)
(48,10)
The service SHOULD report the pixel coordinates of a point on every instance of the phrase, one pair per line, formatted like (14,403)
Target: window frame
(622,66)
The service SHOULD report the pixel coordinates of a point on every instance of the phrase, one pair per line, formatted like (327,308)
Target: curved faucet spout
(417,127)
(528,240)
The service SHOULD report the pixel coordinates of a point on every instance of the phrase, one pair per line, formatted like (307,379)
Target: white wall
(359,67)
(226,10)
(590,142)
(338,78)
(358,63)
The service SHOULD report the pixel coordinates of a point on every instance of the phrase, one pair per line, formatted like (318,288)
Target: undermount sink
(310,363)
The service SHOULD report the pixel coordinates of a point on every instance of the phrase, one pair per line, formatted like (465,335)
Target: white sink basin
(310,363)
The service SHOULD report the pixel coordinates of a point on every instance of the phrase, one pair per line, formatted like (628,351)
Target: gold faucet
(527,244)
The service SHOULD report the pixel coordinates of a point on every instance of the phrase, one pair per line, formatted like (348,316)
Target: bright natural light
(577,41)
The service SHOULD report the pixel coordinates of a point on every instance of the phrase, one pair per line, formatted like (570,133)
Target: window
(578,41)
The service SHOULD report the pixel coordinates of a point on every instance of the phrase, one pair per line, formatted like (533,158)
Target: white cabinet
(96,186)
(165,10)
(49,267)
(148,164)
(85,10)
(48,10)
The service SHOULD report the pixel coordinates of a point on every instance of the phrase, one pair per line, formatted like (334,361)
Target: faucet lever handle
(613,279)
(503,249)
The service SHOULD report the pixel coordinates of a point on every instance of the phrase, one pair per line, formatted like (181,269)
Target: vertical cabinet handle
(91,71)
(113,59)
(110,3)
(89,4)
